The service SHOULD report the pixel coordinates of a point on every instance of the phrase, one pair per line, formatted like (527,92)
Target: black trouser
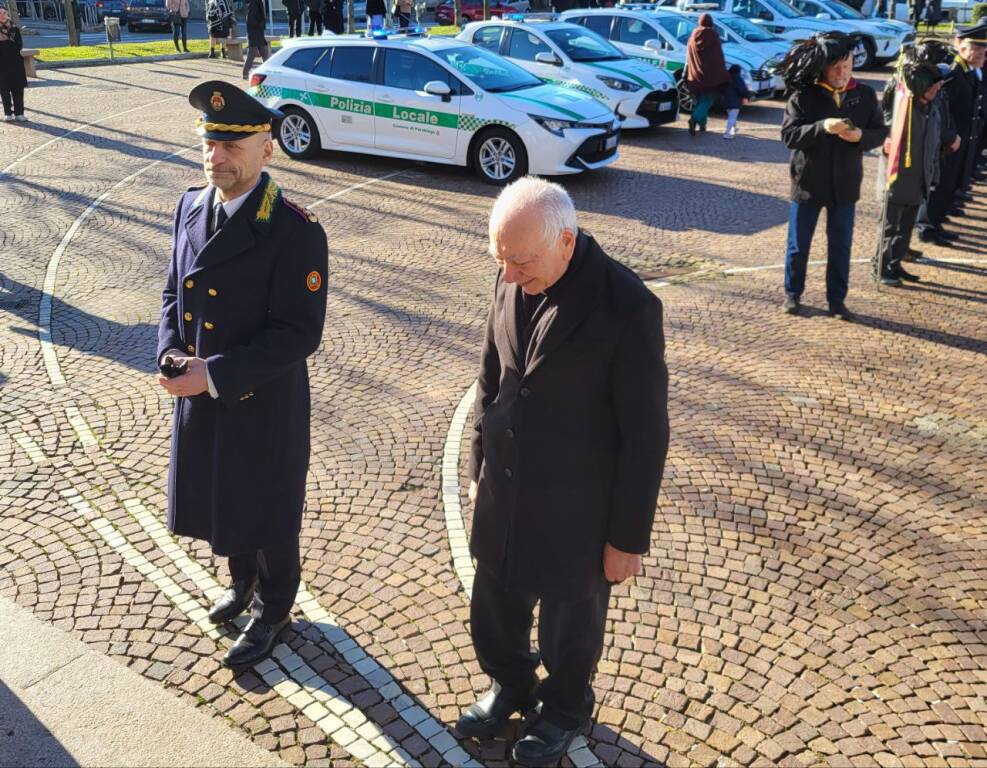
(898,225)
(403,19)
(264,51)
(279,572)
(314,23)
(180,26)
(570,642)
(294,25)
(932,212)
(13,100)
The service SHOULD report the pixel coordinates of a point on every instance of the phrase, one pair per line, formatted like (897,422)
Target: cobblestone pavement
(817,588)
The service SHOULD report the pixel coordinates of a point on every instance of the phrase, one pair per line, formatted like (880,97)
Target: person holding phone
(830,121)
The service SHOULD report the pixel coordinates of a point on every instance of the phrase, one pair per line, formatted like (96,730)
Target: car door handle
(385,98)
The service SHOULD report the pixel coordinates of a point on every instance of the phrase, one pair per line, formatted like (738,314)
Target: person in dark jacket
(243,307)
(568,451)
(294,9)
(219,19)
(332,16)
(314,17)
(830,121)
(13,78)
(965,98)
(705,70)
(735,95)
(921,135)
(376,11)
(256,41)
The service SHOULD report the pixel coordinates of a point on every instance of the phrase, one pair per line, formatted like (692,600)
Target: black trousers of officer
(294,25)
(314,23)
(898,224)
(932,213)
(278,571)
(570,642)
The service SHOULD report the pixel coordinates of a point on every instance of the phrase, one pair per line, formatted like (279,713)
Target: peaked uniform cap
(228,113)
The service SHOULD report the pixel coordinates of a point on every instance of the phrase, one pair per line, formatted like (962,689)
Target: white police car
(659,37)
(575,57)
(883,38)
(441,101)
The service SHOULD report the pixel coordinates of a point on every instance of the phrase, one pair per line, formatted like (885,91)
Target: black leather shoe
(938,237)
(911,255)
(890,280)
(255,644)
(234,602)
(543,743)
(791,304)
(692,127)
(485,719)
(840,311)
(905,275)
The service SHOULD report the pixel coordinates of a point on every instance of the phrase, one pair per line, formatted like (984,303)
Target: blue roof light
(515,17)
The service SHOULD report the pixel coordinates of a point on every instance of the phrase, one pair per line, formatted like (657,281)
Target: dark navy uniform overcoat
(251,301)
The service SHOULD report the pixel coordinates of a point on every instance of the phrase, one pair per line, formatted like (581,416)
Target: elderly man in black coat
(243,308)
(569,446)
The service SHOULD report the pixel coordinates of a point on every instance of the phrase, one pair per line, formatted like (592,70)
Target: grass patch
(449,31)
(121,50)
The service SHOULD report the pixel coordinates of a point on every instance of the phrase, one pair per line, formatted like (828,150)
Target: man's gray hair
(558,212)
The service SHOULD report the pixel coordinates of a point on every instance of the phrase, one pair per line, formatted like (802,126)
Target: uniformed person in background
(965,102)
(243,308)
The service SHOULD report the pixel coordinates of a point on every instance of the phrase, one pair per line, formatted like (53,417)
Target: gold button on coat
(212,291)
(190,283)
(209,326)
(188,317)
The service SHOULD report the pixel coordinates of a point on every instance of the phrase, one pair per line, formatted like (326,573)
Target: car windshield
(843,11)
(678,27)
(581,44)
(489,71)
(745,30)
(783,8)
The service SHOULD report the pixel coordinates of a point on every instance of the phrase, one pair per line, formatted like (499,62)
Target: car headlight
(556,126)
(889,31)
(617,84)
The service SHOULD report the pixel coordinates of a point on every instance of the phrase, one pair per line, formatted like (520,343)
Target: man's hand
(472,491)
(956,144)
(190,383)
(834,125)
(887,147)
(619,566)
(851,135)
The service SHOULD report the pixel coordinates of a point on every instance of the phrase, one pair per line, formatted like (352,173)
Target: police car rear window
(354,63)
(305,59)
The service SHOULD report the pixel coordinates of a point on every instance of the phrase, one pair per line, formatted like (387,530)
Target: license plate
(148,21)
(611,142)
(665,107)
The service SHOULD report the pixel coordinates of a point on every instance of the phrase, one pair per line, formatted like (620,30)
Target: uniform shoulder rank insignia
(313,281)
(305,213)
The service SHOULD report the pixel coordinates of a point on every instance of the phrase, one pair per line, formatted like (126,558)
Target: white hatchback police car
(576,57)
(441,101)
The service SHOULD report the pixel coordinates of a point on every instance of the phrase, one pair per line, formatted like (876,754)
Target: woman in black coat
(332,16)
(13,79)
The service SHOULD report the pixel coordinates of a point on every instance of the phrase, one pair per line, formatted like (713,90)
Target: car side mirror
(766,16)
(823,16)
(547,57)
(653,45)
(438,88)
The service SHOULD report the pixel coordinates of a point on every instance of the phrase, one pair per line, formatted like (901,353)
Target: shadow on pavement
(24,740)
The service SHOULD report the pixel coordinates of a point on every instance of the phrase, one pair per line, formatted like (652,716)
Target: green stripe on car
(640,81)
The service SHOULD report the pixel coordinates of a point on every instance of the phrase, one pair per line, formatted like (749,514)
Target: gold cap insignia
(217,102)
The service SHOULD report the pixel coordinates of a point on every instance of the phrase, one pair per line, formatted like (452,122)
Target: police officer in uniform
(965,104)
(243,308)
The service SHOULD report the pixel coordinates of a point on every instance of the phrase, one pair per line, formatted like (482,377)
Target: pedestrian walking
(830,121)
(294,9)
(920,136)
(179,10)
(219,18)
(332,16)
(314,17)
(13,77)
(242,309)
(376,11)
(735,95)
(965,97)
(568,449)
(705,70)
(256,41)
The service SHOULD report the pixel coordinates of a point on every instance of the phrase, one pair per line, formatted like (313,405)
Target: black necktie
(219,217)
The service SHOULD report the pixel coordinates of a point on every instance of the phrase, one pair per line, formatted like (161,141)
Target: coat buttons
(525,392)
(190,283)
(188,317)
(191,349)
(508,473)
(510,433)
(209,326)
(212,292)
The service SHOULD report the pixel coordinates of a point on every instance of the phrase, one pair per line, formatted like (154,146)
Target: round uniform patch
(313,281)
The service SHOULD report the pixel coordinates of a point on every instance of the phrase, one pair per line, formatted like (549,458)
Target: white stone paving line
(579,752)
(818,262)
(31,448)
(81,427)
(294,680)
(361,185)
(415,716)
